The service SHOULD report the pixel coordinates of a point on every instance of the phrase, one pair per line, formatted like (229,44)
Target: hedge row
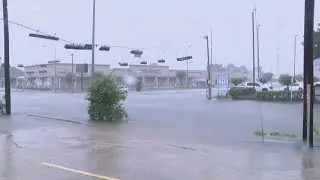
(238,93)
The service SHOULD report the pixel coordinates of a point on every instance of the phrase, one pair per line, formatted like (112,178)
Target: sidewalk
(35,148)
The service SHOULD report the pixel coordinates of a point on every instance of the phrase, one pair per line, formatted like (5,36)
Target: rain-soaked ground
(169,135)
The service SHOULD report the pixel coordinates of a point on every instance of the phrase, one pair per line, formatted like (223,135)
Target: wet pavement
(167,136)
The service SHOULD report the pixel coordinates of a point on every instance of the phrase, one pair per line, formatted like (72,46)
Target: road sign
(184,58)
(223,83)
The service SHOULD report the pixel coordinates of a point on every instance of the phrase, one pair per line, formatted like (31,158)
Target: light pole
(73,76)
(258,50)
(187,74)
(253,50)
(6,58)
(208,69)
(93,38)
(294,58)
(211,56)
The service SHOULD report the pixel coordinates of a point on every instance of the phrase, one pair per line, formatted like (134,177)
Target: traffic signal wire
(64,40)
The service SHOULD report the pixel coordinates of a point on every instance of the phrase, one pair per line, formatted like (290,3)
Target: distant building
(43,75)
(151,76)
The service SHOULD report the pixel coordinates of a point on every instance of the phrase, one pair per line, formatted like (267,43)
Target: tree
(267,76)
(105,99)
(98,74)
(285,79)
(236,80)
(299,77)
(69,79)
(263,80)
(181,75)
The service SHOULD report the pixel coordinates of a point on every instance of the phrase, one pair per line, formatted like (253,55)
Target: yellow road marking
(79,172)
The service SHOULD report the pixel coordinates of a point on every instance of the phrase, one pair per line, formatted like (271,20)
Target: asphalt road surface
(169,135)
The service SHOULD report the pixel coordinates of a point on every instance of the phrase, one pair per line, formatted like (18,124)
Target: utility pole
(73,76)
(253,50)
(211,56)
(187,61)
(208,68)
(6,58)
(294,58)
(93,38)
(258,50)
(308,94)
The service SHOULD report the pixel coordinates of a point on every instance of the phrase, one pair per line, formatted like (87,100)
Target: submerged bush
(105,100)
(2,106)
(242,93)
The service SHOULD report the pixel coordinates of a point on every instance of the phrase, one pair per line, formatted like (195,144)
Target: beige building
(48,76)
(151,76)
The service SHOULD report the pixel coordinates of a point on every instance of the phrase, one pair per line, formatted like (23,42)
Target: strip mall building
(152,76)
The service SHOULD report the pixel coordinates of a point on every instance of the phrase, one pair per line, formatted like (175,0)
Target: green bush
(105,99)
(279,96)
(2,106)
(138,86)
(242,93)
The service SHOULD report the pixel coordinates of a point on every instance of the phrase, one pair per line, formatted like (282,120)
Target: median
(240,93)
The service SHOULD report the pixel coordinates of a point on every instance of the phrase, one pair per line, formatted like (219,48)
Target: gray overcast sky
(172,25)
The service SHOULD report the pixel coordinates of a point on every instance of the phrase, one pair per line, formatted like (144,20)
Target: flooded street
(167,136)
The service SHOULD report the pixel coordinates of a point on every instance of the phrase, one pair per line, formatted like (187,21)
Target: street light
(55,73)
(258,50)
(93,38)
(294,58)
(208,68)
(187,74)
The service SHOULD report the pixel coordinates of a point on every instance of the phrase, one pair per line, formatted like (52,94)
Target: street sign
(82,68)
(223,83)
(184,58)
(55,61)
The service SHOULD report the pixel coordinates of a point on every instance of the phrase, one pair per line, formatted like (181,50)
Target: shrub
(2,106)
(236,80)
(240,93)
(138,86)
(105,99)
(279,96)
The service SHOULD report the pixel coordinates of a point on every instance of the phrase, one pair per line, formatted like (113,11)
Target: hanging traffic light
(87,47)
(123,64)
(137,52)
(104,48)
(161,61)
(74,46)
(43,36)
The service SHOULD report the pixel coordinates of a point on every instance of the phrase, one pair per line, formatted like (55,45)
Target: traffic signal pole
(208,67)
(6,58)
(308,73)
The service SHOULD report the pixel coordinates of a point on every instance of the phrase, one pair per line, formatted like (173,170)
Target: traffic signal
(104,48)
(44,36)
(74,46)
(136,52)
(87,47)
(161,61)
(123,64)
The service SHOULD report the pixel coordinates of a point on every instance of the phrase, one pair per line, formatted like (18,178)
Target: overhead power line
(64,40)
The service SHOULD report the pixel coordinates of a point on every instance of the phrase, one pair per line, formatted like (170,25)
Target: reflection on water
(307,162)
